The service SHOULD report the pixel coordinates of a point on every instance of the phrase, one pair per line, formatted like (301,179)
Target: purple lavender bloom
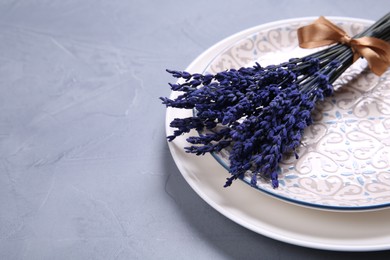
(258,113)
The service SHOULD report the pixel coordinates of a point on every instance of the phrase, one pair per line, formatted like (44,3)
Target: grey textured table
(85,171)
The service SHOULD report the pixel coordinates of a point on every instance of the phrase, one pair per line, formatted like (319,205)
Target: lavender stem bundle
(259,113)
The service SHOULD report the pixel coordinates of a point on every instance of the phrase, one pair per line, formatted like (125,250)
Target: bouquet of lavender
(259,113)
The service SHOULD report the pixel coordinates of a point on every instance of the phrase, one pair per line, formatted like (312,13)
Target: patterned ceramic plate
(344,156)
(359,230)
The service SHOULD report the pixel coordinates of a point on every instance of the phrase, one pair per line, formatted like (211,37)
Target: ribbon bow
(323,32)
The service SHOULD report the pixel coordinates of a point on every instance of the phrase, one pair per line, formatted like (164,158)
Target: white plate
(333,230)
(344,157)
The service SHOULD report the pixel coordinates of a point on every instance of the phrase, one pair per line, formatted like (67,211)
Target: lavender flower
(257,113)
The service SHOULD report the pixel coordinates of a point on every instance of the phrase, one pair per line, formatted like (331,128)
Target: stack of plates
(336,196)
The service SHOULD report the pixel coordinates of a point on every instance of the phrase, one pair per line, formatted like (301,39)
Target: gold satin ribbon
(323,32)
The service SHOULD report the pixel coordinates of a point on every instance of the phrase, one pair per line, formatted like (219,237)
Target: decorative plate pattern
(344,156)
(341,230)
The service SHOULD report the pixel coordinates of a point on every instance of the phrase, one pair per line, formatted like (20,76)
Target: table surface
(85,170)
